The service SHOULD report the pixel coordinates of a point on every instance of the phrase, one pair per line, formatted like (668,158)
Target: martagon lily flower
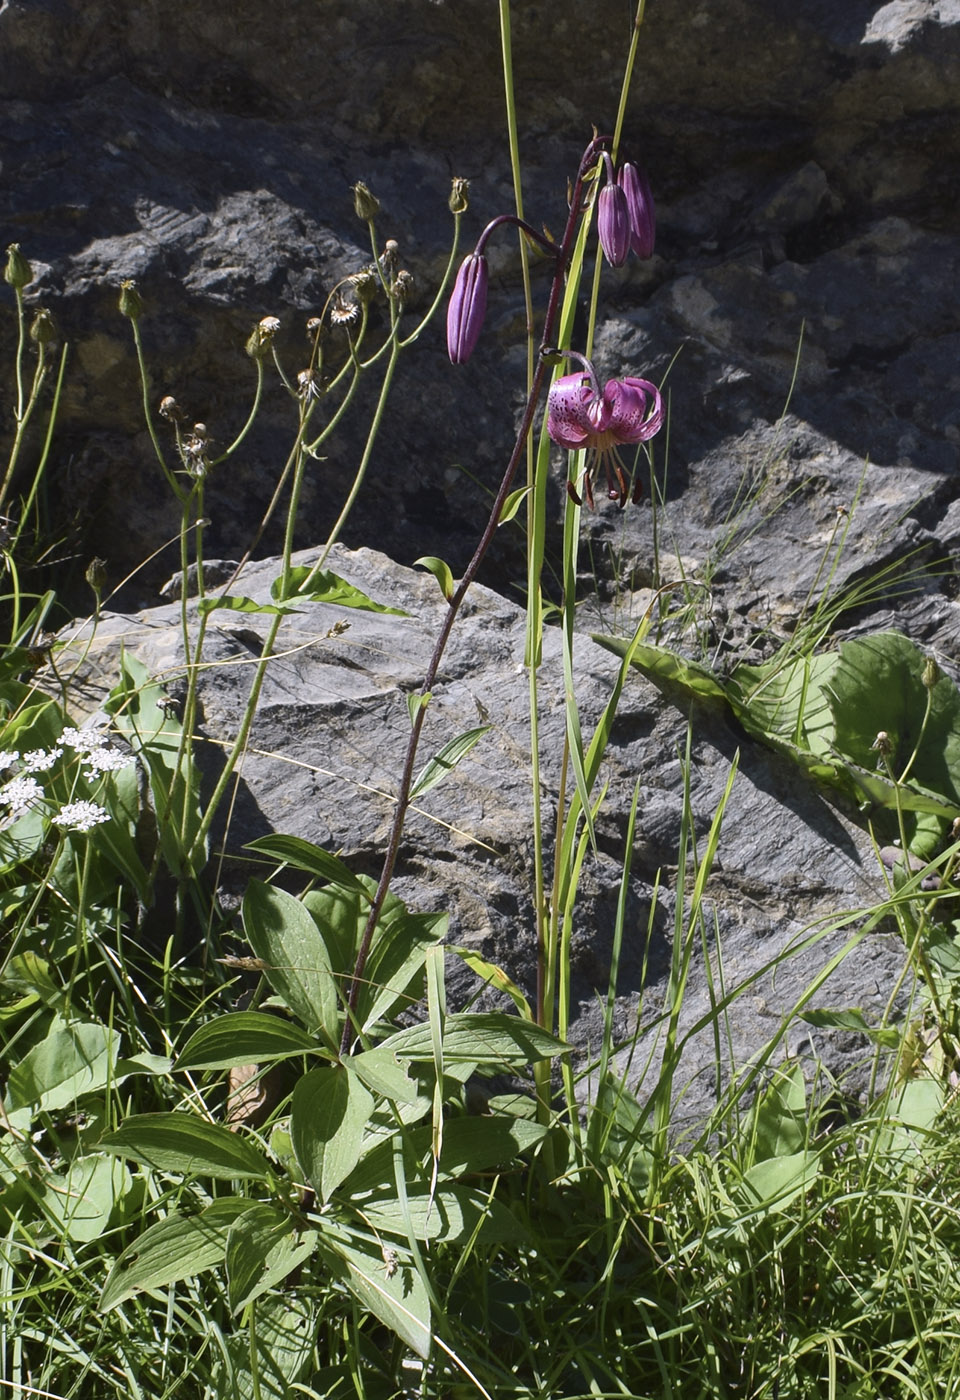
(581,416)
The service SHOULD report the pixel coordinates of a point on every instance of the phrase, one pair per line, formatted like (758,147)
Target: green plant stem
(24,414)
(453,608)
(254,410)
(172,482)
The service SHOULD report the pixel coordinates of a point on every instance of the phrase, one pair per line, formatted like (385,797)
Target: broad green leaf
(396,955)
(878,685)
(284,936)
(304,855)
(384,1285)
(243,1038)
(324,586)
(186,1144)
(452,1213)
(386,1076)
(778,1122)
(487,1038)
(771,1185)
(240,604)
(82,1200)
(440,571)
(471,1144)
(70,1061)
(445,761)
(175,1248)
(263,1247)
(281,1334)
(328,1116)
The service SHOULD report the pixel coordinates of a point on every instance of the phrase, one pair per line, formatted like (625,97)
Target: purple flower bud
(636,187)
(613,224)
(468,306)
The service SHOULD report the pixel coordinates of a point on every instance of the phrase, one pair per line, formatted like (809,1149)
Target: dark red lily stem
(545,243)
(406,779)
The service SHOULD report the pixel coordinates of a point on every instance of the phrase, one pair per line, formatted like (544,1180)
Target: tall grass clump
(266,1174)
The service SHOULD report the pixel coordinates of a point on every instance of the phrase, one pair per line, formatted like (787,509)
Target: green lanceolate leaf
(243,1038)
(240,604)
(186,1144)
(445,761)
(385,1284)
(513,503)
(483,1038)
(70,1061)
(450,1213)
(324,586)
(269,1355)
(177,1247)
(659,664)
(304,855)
(296,964)
(440,571)
(263,1248)
(330,1110)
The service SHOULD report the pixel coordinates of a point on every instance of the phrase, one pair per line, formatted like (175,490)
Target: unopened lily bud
(96,574)
(459,202)
(613,224)
(468,307)
(131,303)
(43,328)
(365,203)
(18,272)
(931,673)
(643,222)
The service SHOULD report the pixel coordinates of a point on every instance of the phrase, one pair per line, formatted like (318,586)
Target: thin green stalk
(254,410)
(45,451)
(24,414)
(362,469)
(535,522)
(172,482)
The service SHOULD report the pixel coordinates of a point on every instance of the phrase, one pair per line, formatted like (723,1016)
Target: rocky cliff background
(803,305)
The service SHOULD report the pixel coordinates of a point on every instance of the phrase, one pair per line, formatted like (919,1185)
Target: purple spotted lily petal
(580,416)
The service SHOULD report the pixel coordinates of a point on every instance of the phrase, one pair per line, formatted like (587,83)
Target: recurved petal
(635,409)
(568,403)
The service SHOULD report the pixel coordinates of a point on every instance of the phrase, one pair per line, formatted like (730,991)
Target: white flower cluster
(22,792)
(80,816)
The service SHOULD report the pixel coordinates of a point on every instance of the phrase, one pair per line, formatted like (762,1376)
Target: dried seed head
(343,310)
(170,409)
(366,285)
(403,285)
(308,386)
(459,201)
(261,337)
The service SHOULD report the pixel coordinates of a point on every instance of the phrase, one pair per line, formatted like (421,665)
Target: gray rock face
(802,309)
(327,748)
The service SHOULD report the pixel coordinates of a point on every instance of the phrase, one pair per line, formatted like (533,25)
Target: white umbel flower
(81,816)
